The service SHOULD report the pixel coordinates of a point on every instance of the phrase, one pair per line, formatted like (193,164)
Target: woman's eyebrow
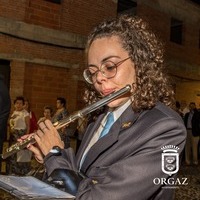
(109,57)
(104,60)
(92,65)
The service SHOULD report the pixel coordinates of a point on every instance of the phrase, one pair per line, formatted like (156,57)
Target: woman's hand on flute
(33,147)
(47,137)
(37,153)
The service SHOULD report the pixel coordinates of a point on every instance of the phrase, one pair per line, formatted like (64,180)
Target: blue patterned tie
(109,123)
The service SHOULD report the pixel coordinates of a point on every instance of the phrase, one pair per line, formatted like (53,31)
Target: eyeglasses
(107,68)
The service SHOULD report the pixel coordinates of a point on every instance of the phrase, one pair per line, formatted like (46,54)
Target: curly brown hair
(146,52)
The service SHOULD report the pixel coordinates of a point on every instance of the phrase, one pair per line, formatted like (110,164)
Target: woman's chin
(118,102)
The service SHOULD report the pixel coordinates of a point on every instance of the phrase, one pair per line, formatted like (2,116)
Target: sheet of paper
(28,187)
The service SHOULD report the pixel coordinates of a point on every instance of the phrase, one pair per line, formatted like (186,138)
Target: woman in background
(48,112)
(33,119)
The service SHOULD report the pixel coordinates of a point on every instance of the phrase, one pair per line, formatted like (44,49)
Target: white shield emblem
(170,161)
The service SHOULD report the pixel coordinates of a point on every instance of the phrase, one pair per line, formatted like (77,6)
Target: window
(54,1)
(176,31)
(196,2)
(127,6)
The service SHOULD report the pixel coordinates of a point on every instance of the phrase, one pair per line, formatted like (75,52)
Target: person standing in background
(48,112)
(178,109)
(60,114)
(5,104)
(19,120)
(19,126)
(192,121)
(33,119)
(184,107)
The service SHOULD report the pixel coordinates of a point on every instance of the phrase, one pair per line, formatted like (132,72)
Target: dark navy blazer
(124,164)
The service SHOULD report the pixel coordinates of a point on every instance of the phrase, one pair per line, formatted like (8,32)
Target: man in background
(192,121)
(60,114)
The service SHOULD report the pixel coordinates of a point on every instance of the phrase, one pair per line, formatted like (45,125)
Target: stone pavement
(191,191)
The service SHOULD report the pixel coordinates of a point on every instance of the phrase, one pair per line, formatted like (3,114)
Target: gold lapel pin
(94,182)
(126,124)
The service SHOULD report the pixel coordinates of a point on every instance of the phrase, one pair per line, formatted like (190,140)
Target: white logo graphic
(170,159)
(170,165)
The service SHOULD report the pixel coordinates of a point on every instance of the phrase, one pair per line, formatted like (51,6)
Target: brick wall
(17,79)
(13,9)
(43,84)
(31,74)
(31,79)
(44,13)
(74,16)
(80,16)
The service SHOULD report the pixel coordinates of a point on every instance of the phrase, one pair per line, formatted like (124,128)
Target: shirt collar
(119,110)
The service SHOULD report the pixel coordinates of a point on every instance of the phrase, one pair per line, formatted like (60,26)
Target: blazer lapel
(125,121)
(99,147)
(89,134)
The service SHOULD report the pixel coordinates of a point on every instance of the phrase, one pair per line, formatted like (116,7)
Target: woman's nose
(100,77)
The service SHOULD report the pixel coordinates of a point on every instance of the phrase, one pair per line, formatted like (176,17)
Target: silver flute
(64,122)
